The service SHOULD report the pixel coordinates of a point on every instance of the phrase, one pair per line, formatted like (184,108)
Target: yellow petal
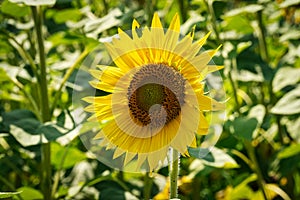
(118,152)
(206,103)
(156,23)
(175,23)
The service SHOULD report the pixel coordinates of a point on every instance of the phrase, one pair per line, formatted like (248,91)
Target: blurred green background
(258,153)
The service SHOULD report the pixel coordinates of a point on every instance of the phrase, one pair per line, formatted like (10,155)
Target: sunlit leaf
(280,80)
(4,195)
(35,2)
(29,193)
(26,139)
(65,157)
(288,3)
(292,150)
(213,157)
(66,15)
(14,9)
(253,8)
(289,104)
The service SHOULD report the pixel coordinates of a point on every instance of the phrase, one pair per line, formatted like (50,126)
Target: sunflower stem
(45,110)
(174,171)
(213,19)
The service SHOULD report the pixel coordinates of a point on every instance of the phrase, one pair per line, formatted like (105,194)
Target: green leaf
(29,193)
(112,193)
(280,80)
(258,112)
(50,132)
(201,153)
(4,195)
(97,26)
(288,3)
(26,139)
(293,127)
(289,104)
(17,115)
(14,10)
(292,150)
(213,157)
(243,127)
(35,2)
(67,15)
(290,35)
(244,10)
(238,23)
(247,76)
(69,155)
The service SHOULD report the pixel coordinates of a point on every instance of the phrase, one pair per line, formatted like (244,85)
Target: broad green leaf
(280,80)
(247,76)
(14,10)
(17,115)
(290,35)
(289,151)
(258,112)
(26,139)
(94,27)
(67,156)
(201,153)
(213,157)
(67,15)
(4,195)
(238,23)
(112,193)
(245,9)
(293,127)
(288,3)
(289,104)
(29,193)
(243,127)
(50,132)
(35,2)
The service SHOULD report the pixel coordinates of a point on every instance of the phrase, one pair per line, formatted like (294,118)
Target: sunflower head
(156,95)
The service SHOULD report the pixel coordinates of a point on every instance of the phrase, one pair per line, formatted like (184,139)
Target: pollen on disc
(155,95)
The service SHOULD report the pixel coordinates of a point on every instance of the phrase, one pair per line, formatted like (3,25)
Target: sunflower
(156,94)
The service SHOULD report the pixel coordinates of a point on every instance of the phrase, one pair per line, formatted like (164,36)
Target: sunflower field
(141,99)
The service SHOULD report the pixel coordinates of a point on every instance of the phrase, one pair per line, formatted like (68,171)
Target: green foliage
(258,153)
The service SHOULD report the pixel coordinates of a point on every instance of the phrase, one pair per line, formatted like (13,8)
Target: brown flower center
(155,95)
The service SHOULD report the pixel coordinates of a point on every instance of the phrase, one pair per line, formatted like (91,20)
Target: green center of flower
(155,95)
(149,95)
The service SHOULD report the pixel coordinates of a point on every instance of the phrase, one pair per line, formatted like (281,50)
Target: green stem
(262,38)
(256,168)
(233,84)
(149,10)
(148,182)
(174,174)
(45,110)
(66,77)
(182,9)
(213,19)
